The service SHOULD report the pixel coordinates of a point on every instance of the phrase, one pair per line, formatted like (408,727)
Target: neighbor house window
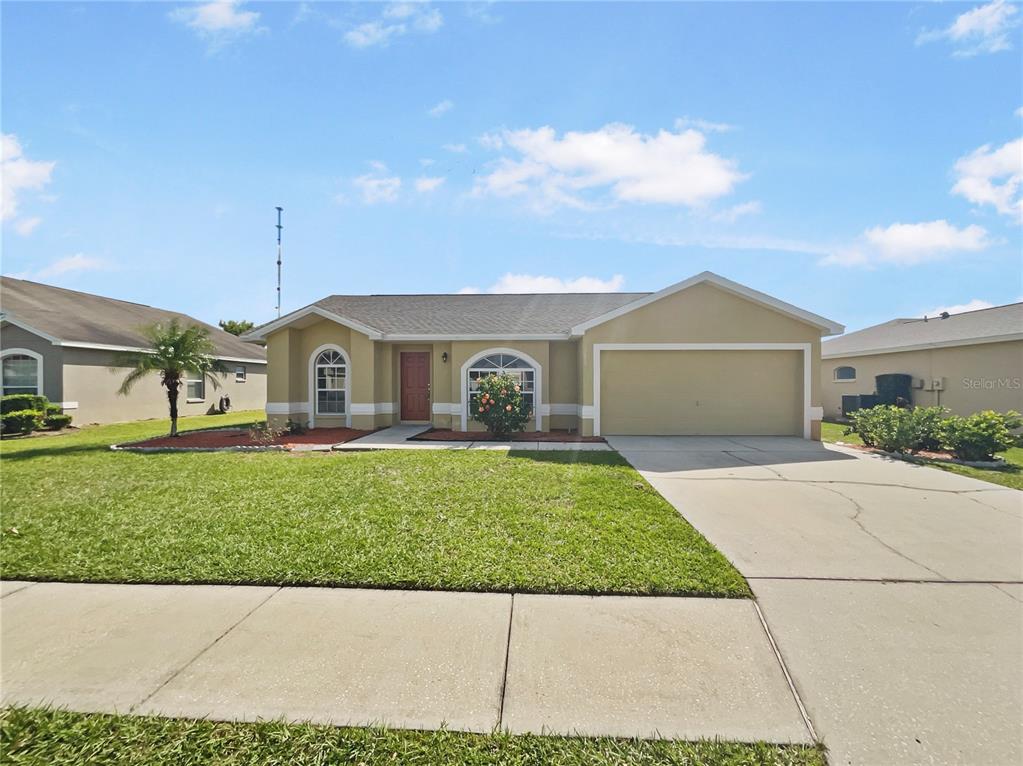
(330,383)
(195,388)
(21,374)
(239,373)
(845,373)
(502,364)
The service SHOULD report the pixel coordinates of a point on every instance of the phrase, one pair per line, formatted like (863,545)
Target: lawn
(545,522)
(43,737)
(1010,476)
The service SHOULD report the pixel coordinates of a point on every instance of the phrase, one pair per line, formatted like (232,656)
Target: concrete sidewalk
(397,437)
(646,667)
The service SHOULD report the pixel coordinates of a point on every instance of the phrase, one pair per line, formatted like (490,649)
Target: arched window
(845,374)
(21,374)
(331,381)
(503,364)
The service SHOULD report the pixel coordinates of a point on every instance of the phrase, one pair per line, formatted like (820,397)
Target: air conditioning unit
(918,382)
(938,384)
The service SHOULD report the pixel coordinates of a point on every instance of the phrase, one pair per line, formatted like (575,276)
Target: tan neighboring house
(704,356)
(63,344)
(966,362)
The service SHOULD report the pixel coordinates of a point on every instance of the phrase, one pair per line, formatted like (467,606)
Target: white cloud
(19,174)
(989,176)
(428,184)
(732,214)
(984,29)
(974,305)
(440,108)
(615,162)
(704,125)
(218,22)
(396,20)
(529,283)
(26,226)
(377,186)
(456,148)
(79,262)
(1019,112)
(907,244)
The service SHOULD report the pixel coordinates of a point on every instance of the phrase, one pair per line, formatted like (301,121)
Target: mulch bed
(447,435)
(924,455)
(239,437)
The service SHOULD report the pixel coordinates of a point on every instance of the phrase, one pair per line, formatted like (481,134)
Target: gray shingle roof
(77,317)
(985,324)
(528,314)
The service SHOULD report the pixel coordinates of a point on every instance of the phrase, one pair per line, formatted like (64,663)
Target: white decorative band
(586,412)
(373,408)
(446,408)
(560,409)
(69,405)
(287,408)
(816,413)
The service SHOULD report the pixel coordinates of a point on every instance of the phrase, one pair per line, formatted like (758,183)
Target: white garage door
(723,393)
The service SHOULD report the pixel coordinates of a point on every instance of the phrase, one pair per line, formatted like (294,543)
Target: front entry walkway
(894,591)
(397,437)
(622,666)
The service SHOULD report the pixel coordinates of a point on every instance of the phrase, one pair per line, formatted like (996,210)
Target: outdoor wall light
(444,357)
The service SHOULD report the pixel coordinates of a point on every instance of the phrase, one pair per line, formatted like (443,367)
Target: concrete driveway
(894,592)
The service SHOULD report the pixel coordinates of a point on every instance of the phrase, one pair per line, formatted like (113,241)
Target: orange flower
(508,408)
(516,388)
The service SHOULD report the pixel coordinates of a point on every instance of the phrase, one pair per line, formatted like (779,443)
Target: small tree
(500,406)
(236,326)
(176,351)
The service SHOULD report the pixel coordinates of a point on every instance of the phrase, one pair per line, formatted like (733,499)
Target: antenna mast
(279,227)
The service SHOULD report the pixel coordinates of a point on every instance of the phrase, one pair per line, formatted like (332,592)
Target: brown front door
(415,385)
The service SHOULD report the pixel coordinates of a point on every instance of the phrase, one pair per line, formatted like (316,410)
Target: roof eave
(923,346)
(260,333)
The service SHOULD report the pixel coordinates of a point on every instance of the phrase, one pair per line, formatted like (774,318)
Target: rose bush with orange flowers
(499,405)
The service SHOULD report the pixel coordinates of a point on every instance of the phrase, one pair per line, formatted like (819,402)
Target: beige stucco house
(64,344)
(966,362)
(704,356)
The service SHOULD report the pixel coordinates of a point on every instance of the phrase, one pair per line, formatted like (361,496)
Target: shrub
(20,421)
(886,427)
(499,405)
(22,402)
(980,435)
(265,434)
(295,428)
(56,421)
(52,409)
(929,424)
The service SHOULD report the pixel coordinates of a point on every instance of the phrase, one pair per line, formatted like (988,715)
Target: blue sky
(862,161)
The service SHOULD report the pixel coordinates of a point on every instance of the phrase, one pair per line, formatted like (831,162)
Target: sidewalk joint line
(910,580)
(507,657)
(788,678)
(202,651)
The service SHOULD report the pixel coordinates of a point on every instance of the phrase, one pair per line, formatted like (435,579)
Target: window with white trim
(331,379)
(20,374)
(240,374)
(845,374)
(503,364)
(195,387)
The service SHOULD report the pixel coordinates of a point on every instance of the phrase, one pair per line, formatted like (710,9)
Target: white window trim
(836,379)
(312,384)
(192,399)
(537,383)
(245,374)
(809,412)
(39,365)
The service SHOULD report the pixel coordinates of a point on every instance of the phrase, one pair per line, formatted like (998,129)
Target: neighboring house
(966,362)
(704,356)
(64,344)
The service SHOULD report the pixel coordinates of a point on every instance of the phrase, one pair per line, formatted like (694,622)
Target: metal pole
(279,227)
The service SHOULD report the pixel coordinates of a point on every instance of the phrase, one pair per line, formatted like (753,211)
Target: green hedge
(25,413)
(21,422)
(56,421)
(20,402)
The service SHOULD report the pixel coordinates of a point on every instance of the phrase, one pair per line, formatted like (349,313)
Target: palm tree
(176,351)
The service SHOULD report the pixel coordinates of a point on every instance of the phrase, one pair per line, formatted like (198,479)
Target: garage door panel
(717,393)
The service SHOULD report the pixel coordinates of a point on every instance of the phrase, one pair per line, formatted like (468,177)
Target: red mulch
(447,435)
(239,437)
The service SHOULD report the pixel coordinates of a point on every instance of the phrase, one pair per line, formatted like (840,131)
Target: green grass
(1010,476)
(548,522)
(44,737)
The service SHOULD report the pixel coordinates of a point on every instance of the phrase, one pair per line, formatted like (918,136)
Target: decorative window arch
(22,371)
(330,373)
(496,361)
(845,374)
